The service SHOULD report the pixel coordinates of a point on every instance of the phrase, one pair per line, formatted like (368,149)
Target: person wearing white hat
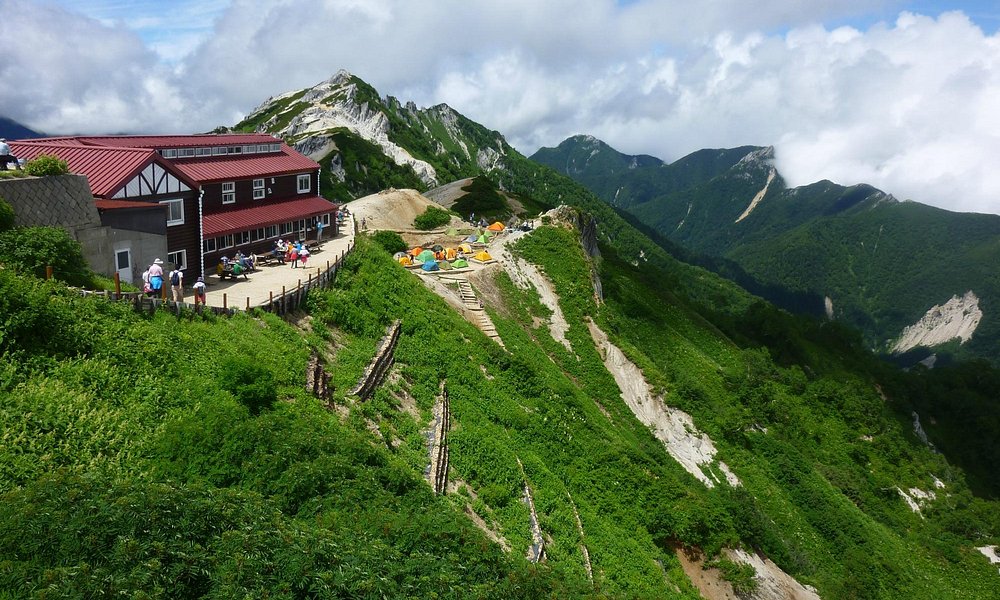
(156,277)
(6,156)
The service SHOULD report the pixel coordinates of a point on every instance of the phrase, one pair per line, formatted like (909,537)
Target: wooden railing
(379,365)
(282,303)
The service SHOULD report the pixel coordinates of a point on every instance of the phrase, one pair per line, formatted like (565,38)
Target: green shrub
(432,218)
(252,385)
(741,576)
(45,165)
(31,249)
(390,240)
(6,215)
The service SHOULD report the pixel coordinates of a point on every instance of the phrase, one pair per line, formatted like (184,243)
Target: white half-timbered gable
(154,180)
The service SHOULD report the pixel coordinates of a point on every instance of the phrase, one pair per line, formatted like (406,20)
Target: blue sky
(901,95)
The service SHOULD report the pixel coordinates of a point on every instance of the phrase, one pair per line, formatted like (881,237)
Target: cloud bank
(908,106)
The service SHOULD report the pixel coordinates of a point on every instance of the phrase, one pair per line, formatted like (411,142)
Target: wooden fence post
(225,304)
(48,272)
(118,286)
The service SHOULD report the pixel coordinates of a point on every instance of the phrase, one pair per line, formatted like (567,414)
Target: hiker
(364,223)
(319,231)
(177,284)
(304,255)
(6,156)
(293,255)
(155,277)
(199,291)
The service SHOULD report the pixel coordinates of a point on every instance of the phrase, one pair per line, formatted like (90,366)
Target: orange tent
(496,226)
(450,253)
(416,251)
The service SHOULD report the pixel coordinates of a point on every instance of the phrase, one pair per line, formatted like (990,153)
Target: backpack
(175,278)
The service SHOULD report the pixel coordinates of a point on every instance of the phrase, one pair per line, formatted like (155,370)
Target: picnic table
(231,270)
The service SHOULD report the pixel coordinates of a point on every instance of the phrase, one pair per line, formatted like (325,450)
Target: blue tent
(430,266)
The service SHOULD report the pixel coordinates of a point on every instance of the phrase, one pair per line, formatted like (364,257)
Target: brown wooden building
(222,193)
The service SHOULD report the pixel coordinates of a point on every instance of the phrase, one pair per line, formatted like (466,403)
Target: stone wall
(62,201)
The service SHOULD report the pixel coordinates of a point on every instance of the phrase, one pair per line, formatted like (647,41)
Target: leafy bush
(6,215)
(390,240)
(432,218)
(45,165)
(31,249)
(252,385)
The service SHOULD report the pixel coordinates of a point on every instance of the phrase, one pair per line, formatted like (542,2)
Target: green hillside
(882,263)
(165,456)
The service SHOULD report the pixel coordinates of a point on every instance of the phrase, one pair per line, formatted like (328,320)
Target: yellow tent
(405,261)
(465,248)
(450,253)
(483,256)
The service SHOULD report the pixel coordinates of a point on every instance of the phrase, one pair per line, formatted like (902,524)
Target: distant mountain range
(855,253)
(12,130)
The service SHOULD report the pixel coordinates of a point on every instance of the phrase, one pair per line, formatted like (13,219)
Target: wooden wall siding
(186,237)
(284,187)
(153,180)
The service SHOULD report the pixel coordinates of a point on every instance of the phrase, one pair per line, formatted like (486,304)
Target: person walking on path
(294,256)
(177,284)
(199,291)
(156,277)
(304,255)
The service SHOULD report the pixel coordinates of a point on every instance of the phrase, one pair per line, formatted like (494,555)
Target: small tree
(45,165)
(31,249)
(390,240)
(431,218)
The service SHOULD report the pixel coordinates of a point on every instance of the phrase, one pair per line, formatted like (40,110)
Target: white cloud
(907,106)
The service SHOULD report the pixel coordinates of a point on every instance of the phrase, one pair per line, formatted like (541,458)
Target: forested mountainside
(853,253)
(182,457)
(367,143)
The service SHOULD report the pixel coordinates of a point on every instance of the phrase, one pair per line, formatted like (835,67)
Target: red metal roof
(120,204)
(107,169)
(177,141)
(227,168)
(243,219)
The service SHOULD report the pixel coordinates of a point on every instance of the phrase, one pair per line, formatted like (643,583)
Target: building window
(208,245)
(175,211)
(305,183)
(170,153)
(325,219)
(272,231)
(242,237)
(178,259)
(224,241)
(234,150)
(204,152)
(229,192)
(275,147)
(217,150)
(258,189)
(287,228)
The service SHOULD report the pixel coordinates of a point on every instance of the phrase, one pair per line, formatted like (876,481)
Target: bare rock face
(957,318)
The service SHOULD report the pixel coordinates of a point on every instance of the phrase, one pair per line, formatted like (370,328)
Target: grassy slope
(188,494)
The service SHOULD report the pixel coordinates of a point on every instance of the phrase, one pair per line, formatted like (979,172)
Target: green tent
(444,265)
(425,256)
(452,231)
(458,264)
